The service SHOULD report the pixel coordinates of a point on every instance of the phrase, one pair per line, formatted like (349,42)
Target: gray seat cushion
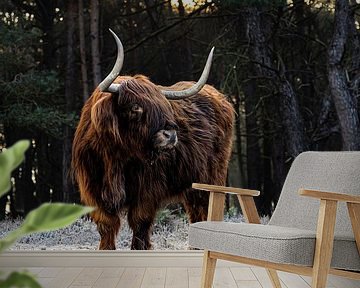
(270,243)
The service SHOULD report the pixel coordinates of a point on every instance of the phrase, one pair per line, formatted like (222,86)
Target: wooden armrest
(323,195)
(327,219)
(223,189)
(217,199)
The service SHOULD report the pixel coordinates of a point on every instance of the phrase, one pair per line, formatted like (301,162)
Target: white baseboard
(105,259)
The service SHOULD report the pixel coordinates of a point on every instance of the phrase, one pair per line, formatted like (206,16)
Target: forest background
(291,69)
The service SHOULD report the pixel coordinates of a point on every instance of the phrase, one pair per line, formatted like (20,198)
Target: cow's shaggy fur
(118,168)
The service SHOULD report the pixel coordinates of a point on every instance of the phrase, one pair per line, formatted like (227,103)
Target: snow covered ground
(169,233)
(83,235)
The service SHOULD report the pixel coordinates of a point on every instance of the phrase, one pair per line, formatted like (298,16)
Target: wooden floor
(155,271)
(171,277)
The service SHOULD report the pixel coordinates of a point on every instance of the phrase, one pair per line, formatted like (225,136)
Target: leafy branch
(47,217)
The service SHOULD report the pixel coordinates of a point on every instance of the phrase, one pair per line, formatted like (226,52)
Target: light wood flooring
(143,269)
(167,277)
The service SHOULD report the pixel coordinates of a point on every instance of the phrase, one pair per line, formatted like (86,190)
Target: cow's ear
(103,117)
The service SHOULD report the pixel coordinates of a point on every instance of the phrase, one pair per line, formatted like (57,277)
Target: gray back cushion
(326,171)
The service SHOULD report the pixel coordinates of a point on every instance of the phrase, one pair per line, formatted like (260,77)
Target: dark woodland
(291,70)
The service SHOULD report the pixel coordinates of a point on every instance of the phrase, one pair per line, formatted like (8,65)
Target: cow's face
(145,117)
(135,112)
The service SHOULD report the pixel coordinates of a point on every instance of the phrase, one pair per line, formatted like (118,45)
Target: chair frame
(324,235)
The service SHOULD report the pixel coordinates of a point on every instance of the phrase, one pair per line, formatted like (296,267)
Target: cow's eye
(135,112)
(135,107)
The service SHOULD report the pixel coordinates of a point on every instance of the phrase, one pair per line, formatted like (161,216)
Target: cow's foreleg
(108,226)
(141,224)
(196,205)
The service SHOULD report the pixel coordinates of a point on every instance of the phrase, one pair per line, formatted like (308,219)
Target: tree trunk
(25,182)
(70,79)
(43,179)
(3,199)
(288,105)
(283,106)
(95,40)
(279,168)
(45,16)
(185,47)
(345,104)
(238,174)
(84,75)
(165,73)
(238,146)
(253,153)
(354,39)
(291,119)
(24,197)
(152,14)
(56,173)
(134,55)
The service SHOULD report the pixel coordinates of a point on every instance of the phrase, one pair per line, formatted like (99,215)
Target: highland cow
(139,146)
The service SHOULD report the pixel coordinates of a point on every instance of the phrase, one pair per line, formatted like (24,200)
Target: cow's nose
(165,139)
(168,134)
(173,138)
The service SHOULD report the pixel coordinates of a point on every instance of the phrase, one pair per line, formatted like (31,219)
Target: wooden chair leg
(274,278)
(324,243)
(354,212)
(208,270)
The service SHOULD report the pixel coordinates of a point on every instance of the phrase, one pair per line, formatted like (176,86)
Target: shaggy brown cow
(135,150)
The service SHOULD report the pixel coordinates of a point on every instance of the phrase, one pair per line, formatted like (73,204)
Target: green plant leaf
(11,238)
(53,216)
(19,279)
(49,216)
(9,160)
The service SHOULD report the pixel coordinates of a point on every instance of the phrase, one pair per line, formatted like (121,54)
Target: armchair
(301,237)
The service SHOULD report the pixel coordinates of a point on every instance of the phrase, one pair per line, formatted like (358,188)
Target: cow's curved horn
(106,85)
(196,87)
